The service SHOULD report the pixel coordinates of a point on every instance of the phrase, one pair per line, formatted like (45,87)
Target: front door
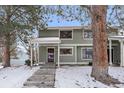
(50,55)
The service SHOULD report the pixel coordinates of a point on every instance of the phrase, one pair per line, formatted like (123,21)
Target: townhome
(74,45)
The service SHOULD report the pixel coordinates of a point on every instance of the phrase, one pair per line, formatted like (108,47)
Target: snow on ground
(1,65)
(15,76)
(79,77)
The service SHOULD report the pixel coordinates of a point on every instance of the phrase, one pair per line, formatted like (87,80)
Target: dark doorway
(111,54)
(50,55)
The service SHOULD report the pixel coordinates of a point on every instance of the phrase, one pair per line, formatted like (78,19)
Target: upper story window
(87,53)
(88,34)
(66,34)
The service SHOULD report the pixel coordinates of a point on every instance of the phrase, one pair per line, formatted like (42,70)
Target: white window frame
(85,37)
(82,52)
(66,30)
(66,48)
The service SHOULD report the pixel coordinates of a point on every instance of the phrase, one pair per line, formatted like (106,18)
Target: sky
(63,23)
(67,23)
(56,21)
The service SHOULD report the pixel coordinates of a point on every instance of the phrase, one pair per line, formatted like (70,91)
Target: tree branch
(88,7)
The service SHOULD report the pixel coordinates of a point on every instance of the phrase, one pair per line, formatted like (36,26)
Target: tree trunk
(100,60)
(6,52)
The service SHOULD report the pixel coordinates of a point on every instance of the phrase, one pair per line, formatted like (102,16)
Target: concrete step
(42,84)
(45,72)
(48,65)
(41,78)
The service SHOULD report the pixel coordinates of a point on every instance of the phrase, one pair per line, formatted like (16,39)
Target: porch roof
(46,40)
(117,37)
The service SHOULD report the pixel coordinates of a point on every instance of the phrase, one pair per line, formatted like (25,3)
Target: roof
(112,29)
(46,40)
(69,27)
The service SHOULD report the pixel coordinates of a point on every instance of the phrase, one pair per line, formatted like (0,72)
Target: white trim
(41,63)
(38,52)
(35,52)
(74,63)
(58,55)
(110,52)
(66,30)
(76,45)
(47,54)
(49,45)
(31,55)
(121,51)
(67,48)
(84,37)
(46,40)
(76,54)
(82,54)
(66,45)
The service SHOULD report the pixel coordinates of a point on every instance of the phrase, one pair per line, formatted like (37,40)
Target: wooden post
(31,56)
(38,51)
(58,55)
(110,52)
(75,54)
(121,51)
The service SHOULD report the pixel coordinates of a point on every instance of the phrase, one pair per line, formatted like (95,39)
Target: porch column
(110,52)
(31,56)
(121,51)
(58,55)
(38,51)
(75,54)
(35,52)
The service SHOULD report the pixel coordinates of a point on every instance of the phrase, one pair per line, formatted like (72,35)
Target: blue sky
(75,23)
(57,21)
(64,23)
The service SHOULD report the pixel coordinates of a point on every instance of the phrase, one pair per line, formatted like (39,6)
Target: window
(66,34)
(88,34)
(86,53)
(66,51)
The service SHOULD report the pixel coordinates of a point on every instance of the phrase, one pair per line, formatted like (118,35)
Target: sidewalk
(43,78)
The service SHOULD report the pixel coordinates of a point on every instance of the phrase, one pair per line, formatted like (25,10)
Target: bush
(28,62)
(90,63)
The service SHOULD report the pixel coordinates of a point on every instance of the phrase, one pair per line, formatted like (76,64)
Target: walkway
(43,78)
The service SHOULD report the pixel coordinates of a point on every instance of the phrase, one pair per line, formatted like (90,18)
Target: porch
(120,39)
(49,42)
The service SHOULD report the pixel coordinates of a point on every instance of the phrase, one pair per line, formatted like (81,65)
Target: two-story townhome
(73,45)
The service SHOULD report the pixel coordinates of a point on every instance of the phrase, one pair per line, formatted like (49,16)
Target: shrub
(28,62)
(90,63)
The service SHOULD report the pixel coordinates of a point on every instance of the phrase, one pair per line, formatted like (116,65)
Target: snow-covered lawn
(66,76)
(15,76)
(79,77)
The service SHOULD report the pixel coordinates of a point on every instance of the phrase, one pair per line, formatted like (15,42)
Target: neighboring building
(73,45)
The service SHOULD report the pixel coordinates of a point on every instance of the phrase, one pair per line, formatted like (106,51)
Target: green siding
(42,54)
(49,33)
(77,38)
